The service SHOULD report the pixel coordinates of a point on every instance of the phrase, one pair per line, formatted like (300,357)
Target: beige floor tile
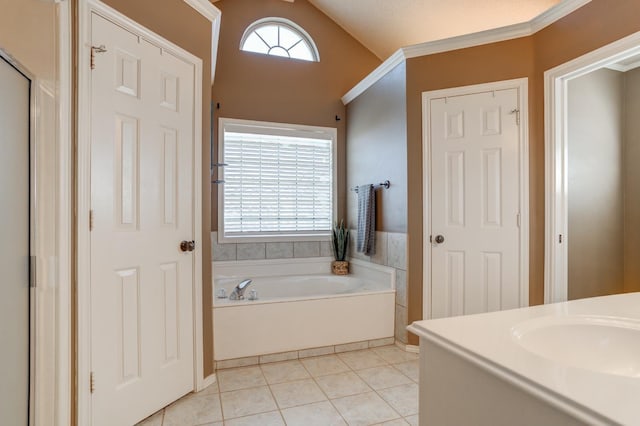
(404,398)
(318,414)
(246,402)
(383,377)
(413,420)
(410,369)
(324,365)
(342,384)
(301,392)
(154,420)
(281,372)
(395,355)
(264,419)
(240,378)
(365,409)
(359,360)
(396,422)
(193,410)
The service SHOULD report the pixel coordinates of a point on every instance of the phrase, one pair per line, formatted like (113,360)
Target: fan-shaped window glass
(279,37)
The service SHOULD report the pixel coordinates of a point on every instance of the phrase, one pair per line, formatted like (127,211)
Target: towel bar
(386,184)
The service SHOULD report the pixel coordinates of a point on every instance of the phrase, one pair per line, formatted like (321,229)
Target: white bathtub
(300,306)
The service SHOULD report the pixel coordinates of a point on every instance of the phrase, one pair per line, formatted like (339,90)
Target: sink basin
(608,345)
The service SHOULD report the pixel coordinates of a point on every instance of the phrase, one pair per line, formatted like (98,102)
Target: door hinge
(92,383)
(96,49)
(32,271)
(560,238)
(90,220)
(516,111)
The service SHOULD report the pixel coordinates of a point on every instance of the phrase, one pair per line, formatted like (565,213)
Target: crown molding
(213,14)
(383,69)
(205,8)
(556,13)
(510,32)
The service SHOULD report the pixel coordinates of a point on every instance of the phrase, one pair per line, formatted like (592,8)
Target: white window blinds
(277,185)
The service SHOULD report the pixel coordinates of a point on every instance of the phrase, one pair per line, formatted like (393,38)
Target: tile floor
(376,386)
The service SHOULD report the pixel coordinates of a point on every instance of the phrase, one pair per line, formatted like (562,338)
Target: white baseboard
(408,348)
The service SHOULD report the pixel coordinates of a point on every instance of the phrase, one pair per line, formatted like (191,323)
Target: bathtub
(300,305)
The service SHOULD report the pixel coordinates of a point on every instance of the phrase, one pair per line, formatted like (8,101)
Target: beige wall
(594,25)
(377,149)
(28,32)
(179,23)
(632,182)
(596,184)
(266,88)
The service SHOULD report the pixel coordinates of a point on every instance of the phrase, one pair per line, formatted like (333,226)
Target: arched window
(279,37)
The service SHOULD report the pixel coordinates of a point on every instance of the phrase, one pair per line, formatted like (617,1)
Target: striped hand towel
(367,220)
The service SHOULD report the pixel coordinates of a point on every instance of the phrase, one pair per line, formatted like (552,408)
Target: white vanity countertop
(492,341)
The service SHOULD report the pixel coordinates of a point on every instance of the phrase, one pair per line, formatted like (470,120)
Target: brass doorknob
(439,239)
(187,246)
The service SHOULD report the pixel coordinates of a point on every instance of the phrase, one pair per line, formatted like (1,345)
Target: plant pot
(340,267)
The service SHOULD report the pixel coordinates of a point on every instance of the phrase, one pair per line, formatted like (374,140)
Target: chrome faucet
(238,292)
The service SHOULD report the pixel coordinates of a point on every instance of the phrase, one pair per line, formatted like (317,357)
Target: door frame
(86,8)
(556,83)
(522,84)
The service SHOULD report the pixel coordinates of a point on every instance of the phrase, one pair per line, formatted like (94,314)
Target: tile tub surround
(353,388)
(391,251)
(222,252)
(301,307)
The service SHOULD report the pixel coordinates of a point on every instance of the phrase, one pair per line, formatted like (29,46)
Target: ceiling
(384,26)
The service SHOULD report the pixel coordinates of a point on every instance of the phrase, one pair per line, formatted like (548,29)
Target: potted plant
(340,240)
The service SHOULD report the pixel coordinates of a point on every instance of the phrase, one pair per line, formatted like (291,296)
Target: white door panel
(142,204)
(14,245)
(475,203)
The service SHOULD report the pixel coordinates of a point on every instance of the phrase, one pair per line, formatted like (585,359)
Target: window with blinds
(279,181)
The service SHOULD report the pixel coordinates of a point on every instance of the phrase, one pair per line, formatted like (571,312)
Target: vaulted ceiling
(384,26)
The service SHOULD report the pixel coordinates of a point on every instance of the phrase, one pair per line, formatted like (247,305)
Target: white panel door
(14,246)
(475,203)
(142,143)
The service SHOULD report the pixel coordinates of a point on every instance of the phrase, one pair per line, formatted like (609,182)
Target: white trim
(274,20)
(624,68)
(556,13)
(213,14)
(197,226)
(376,75)
(412,349)
(64,225)
(510,32)
(522,84)
(556,161)
(86,8)
(286,129)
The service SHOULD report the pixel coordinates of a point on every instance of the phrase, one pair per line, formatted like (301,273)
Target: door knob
(187,246)
(439,239)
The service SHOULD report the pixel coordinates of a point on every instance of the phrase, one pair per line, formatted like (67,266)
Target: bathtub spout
(238,292)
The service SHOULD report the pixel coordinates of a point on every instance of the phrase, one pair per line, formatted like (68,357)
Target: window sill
(273,238)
